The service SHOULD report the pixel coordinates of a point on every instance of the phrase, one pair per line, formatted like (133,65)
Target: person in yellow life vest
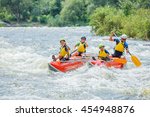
(81,46)
(103,53)
(121,45)
(64,52)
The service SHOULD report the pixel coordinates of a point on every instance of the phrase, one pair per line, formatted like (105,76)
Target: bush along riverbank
(136,24)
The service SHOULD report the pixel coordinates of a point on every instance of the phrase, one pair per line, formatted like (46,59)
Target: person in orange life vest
(121,45)
(81,46)
(103,53)
(64,52)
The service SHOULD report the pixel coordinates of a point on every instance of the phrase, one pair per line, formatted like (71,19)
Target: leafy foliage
(73,12)
(107,19)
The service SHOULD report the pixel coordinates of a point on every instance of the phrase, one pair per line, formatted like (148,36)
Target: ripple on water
(25,52)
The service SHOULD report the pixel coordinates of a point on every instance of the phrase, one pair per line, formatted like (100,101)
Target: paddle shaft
(130,53)
(73,52)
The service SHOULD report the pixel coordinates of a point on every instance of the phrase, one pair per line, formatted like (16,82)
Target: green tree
(106,19)
(137,25)
(144,3)
(73,12)
(44,10)
(127,6)
(18,8)
(55,7)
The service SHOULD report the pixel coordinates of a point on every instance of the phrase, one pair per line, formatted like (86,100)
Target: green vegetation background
(122,16)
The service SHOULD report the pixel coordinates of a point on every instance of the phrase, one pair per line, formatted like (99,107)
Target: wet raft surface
(24,54)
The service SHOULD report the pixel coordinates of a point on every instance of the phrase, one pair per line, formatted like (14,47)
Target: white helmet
(124,36)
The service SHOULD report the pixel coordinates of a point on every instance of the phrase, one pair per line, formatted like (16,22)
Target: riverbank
(37,24)
(130,17)
(21,24)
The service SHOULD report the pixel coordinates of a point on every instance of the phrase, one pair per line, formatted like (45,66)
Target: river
(26,51)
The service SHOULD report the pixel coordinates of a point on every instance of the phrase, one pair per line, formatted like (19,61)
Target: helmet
(124,36)
(101,45)
(83,38)
(62,40)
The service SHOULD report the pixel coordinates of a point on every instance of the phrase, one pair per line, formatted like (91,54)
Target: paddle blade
(135,60)
(123,61)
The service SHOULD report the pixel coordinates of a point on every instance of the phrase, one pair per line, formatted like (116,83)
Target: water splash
(25,52)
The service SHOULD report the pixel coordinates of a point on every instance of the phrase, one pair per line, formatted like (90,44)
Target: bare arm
(86,44)
(75,47)
(111,35)
(127,50)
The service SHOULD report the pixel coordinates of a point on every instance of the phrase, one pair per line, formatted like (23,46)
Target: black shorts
(64,59)
(117,54)
(80,53)
(105,59)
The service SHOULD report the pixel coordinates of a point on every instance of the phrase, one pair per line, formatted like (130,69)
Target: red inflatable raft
(72,64)
(114,62)
(77,61)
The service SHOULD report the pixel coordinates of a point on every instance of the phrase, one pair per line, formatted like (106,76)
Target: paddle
(134,59)
(73,52)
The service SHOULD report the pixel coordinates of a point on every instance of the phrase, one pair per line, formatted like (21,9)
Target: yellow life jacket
(81,47)
(102,54)
(120,47)
(63,51)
